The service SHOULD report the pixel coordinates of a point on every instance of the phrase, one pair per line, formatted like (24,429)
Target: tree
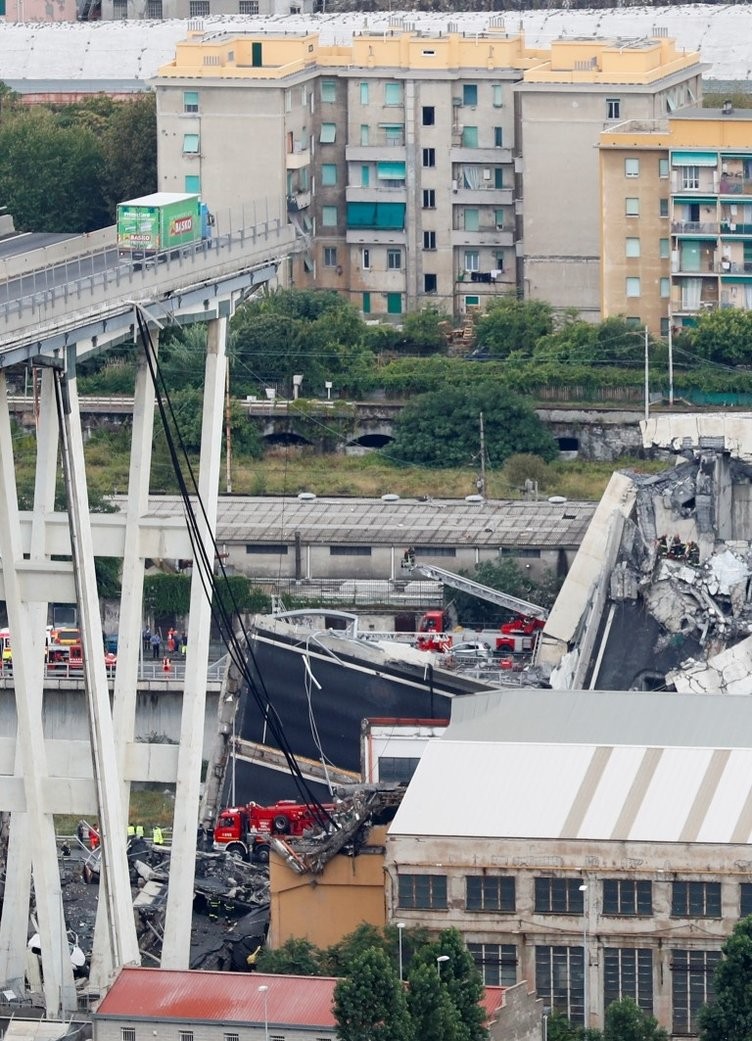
(424,332)
(340,958)
(509,324)
(442,428)
(460,979)
(432,1011)
(370,1003)
(728,1017)
(724,336)
(296,957)
(507,576)
(625,1021)
(129,146)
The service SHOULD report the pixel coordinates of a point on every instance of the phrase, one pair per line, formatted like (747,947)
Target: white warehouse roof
(34,56)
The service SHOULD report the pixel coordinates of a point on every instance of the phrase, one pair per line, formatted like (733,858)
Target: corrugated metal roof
(453,522)
(579,791)
(230,998)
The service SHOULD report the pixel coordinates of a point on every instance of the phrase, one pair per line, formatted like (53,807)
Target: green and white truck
(161,225)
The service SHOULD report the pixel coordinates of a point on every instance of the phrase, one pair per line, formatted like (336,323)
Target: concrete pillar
(177,934)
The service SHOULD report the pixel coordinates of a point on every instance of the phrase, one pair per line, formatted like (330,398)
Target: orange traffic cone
(166,665)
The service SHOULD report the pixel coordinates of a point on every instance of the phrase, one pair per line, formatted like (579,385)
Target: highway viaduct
(58,307)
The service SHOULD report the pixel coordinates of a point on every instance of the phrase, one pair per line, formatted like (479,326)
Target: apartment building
(406,157)
(677,229)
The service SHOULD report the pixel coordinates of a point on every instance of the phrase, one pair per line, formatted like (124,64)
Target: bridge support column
(115,889)
(177,934)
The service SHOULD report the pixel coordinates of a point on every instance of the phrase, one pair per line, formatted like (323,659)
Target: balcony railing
(729,227)
(731,184)
(687,227)
(734,267)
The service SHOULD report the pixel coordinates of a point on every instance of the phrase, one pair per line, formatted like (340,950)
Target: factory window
(232,1037)
(192,184)
(349,551)
(632,247)
(190,101)
(393,259)
(489,893)
(496,962)
(632,287)
(519,551)
(663,167)
(429,115)
(277,548)
(119,8)
(250,7)
(364,93)
(394,303)
(328,134)
(613,108)
(423,892)
(198,8)
(430,283)
(154,9)
(558,896)
(696,900)
(632,207)
(628,973)
(663,249)
(429,157)
(392,93)
(127,1034)
(625,896)
(470,94)
(277,1037)
(329,91)
(329,216)
(435,551)
(330,256)
(559,980)
(631,167)
(190,144)
(185,1035)
(328,175)
(691,986)
(396,768)
(429,198)
(745,899)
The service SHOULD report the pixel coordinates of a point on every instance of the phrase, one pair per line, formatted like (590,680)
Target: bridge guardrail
(47,256)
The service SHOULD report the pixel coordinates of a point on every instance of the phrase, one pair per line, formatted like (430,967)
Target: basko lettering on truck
(162,225)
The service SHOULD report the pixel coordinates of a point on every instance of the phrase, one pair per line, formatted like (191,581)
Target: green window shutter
(328,133)
(256,55)
(392,93)
(190,98)
(390,171)
(328,175)
(365,176)
(364,93)
(472,220)
(366,303)
(394,303)
(469,137)
(192,184)
(190,144)
(382,215)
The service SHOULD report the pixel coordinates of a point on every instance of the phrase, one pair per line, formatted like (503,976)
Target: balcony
(297,159)
(735,184)
(479,156)
(375,237)
(485,195)
(486,235)
(492,277)
(735,267)
(732,228)
(375,192)
(705,184)
(298,201)
(374,151)
(695,227)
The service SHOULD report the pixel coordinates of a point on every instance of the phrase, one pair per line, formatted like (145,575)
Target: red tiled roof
(227,997)
(231,997)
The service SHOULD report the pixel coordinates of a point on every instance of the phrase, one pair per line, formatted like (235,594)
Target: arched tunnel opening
(568,444)
(370,441)
(286,438)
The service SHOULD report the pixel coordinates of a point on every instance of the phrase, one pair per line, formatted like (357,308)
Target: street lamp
(400,927)
(441,958)
(585,957)
(263,989)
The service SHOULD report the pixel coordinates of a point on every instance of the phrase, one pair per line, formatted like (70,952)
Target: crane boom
(467,585)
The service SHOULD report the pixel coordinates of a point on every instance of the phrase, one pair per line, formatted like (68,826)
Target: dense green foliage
(729,1016)
(443,428)
(509,324)
(168,596)
(370,1002)
(508,576)
(64,169)
(624,1021)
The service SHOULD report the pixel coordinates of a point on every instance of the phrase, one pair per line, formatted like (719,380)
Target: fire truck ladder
(466,585)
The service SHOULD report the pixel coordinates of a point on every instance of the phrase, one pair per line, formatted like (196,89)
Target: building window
(628,973)
(328,175)
(190,101)
(496,962)
(119,8)
(423,892)
(633,286)
(365,176)
(328,134)
(664,250)
(365,259)
(663,167)
(631,167)
(429,240)
(471,301)
(349,551)
(429,198)
(696,900)
(690,177)
(278,549)
(330,256)
(472,260)
(613,108)
(198,8)
(394,133)
(364,133)
(745,899)
(499,219)
(430,284)
(499,262)
(154,9)
(498,177)
(519,551)
(632,247)
(396,768)
(328,91)
(394,303)
(329,216)
(366,303)
(250,7)
(559,980)
(393,259)
(469,137)
(489,893)
(498,137)
(185,1035)
(190,144)
(231,1037)
(127,1034)
(470,94)
(435,551)
(429,157)
(428,115)
(392,93)
(192,184)
(471,219)
(558,896)
(663,207)
(665,288)
(364,93)
(624,896)
(632,207)
(496,95)
(691,986)
(664,326)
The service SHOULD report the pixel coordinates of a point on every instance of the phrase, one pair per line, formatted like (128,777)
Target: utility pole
(228,434)
(482,477)
(647,377)
(670,361)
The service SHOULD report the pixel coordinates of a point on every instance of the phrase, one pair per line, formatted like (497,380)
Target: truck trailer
(161,225)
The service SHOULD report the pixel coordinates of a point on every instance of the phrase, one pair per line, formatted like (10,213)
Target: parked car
(471,651)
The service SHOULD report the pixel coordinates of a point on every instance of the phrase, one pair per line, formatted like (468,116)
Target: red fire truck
(245,830)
